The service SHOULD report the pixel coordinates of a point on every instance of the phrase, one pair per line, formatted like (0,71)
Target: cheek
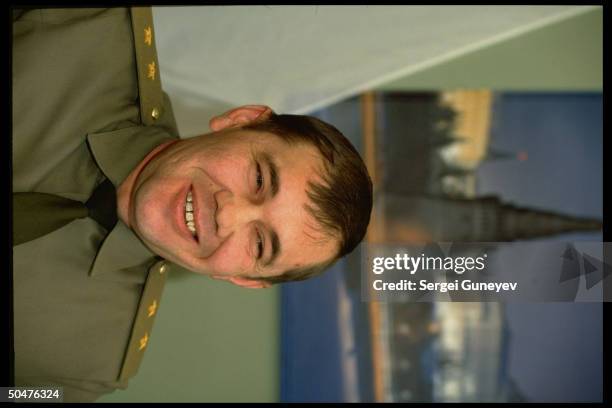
(230,174)
(232,257)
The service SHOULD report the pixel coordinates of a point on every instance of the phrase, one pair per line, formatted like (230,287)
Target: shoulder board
(149,81)
(143,322)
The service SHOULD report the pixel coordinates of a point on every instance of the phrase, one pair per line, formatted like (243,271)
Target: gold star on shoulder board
(152,308)
(143,341)
(151,72)
(148,35)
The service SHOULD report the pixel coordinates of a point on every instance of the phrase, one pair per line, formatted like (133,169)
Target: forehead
(303,246)
(269,140)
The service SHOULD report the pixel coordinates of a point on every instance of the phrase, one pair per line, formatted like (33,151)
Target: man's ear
(240,116)
(244,282)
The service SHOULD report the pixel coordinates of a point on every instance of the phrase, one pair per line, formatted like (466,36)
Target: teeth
(189,220)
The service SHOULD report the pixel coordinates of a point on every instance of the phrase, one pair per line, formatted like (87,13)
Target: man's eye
(259,245)
(260,179)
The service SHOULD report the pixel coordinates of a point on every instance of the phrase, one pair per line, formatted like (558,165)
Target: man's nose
(234,212)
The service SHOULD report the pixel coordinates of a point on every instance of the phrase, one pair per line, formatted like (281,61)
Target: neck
(125,189)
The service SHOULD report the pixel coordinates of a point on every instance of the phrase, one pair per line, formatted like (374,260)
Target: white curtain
(301,58)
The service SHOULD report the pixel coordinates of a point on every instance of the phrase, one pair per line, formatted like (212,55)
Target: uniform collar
(117,153)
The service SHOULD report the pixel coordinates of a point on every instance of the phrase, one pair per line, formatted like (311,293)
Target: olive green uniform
(87,104)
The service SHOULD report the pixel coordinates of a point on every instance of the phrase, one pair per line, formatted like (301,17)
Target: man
(262,199)
(267,203)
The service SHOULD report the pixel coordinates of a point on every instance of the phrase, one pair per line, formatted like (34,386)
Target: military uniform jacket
(87,104)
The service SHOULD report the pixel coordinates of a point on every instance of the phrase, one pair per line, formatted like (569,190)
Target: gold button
(162,268)
(155,113)
(143,341)
(152,308)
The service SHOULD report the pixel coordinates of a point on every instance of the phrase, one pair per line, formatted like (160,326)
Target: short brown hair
(343,202)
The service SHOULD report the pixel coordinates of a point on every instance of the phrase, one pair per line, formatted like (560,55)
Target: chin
(147,221)
(149,240)
(151,235)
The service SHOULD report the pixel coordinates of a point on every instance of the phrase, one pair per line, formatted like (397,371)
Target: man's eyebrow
(273,168)
(276,248)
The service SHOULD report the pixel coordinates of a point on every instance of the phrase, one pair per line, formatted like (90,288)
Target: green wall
(566,55)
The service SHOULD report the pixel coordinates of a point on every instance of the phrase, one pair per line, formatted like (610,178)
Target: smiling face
(247,192)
